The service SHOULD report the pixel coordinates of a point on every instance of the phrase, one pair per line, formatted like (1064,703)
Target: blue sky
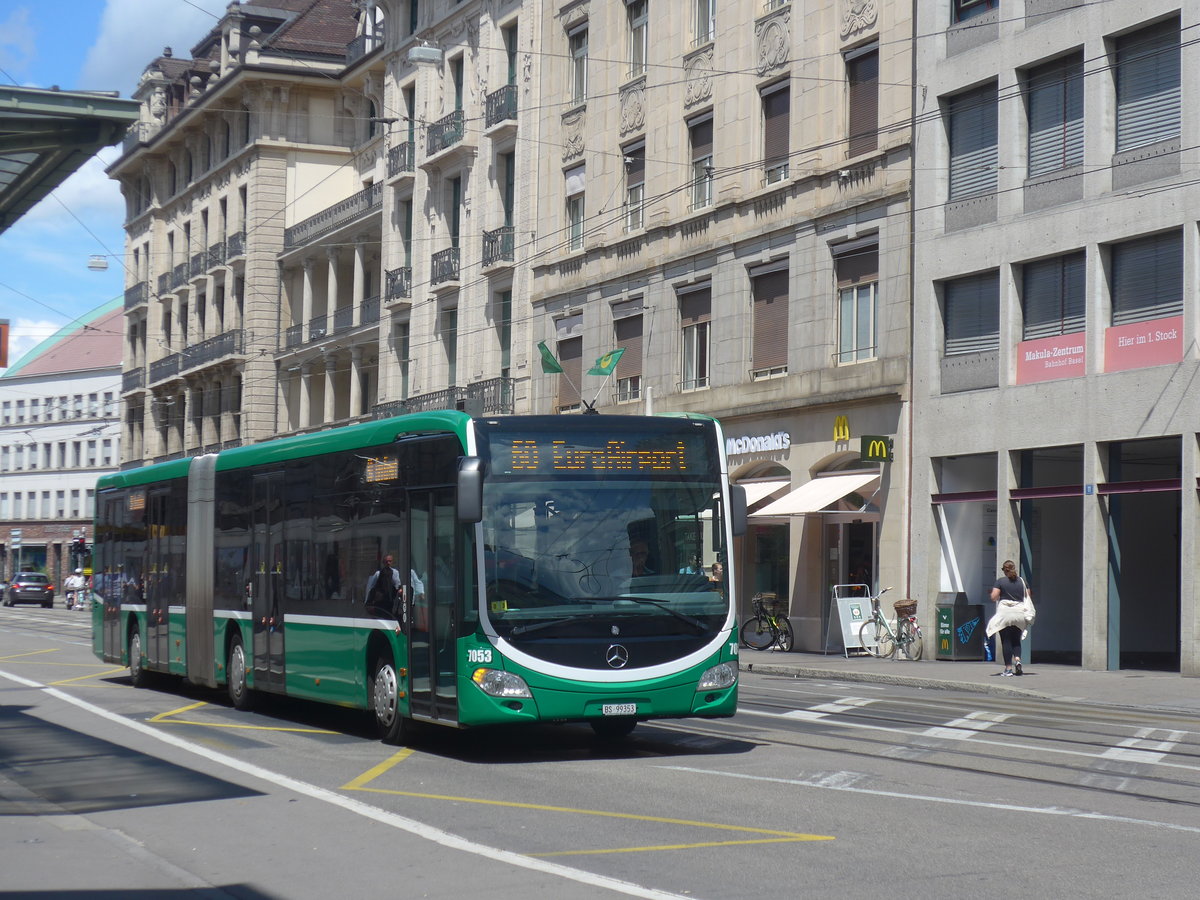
(93,45)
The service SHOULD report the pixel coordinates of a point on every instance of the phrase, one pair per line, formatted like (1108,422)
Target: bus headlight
(496,683)
(718,677)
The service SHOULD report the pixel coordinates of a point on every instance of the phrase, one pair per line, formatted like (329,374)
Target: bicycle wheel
(875,639)
(909,638)
(786,638)
(756,633)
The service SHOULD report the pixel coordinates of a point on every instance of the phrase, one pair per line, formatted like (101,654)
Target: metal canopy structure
(46,135)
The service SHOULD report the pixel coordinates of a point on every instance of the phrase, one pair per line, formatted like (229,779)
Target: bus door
(267,582)
(159,577)
(433,625)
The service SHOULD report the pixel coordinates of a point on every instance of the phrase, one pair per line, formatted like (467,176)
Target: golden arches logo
(841,429)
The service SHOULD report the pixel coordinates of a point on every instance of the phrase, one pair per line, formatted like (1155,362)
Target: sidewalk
(1168,691)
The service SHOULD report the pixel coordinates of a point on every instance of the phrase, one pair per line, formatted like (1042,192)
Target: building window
(576,179)
(504,330)
(695,313)
(1147,278)
(568,332)
(627,330)
(706,12)
(403,357)
(966,9)
(770,349)
(1052,296)
(700,134)
(509,35)
(578,46)
(1056,117)
(973,143)
(972,313)
(856,267)
(635,186)
(635,10)
(456,78)
(508,187)
(862,77)
(777,125)
(1148,79)
(448,326)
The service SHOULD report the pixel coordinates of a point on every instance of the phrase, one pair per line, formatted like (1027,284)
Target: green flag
(606,363)
(550,365)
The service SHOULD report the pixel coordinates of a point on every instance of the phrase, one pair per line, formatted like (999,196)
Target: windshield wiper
(691,620)
(538,626)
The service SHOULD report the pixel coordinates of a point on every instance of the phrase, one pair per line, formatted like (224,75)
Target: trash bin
(960,627)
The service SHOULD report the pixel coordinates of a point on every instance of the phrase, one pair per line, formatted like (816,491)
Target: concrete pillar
(330,396)
(306,298)
(331,284)
(305,395)
(1095,575)
(360,252)
(356,382)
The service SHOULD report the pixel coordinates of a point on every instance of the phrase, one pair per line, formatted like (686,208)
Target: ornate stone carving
(577,13)
(859,16)
(573,127)
(774,39)
(698,72)
(633,107)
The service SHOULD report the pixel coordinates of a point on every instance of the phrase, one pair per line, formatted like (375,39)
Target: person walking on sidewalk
(1010,621)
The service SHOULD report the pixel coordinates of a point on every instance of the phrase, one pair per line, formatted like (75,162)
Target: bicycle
(878,636)
(768,627)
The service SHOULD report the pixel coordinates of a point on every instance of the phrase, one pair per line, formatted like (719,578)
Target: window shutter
(570,357)
(770,321)
(863,76)
(776,126)
(1056,117)
(1148,97)
(972,313)
(973,154)
(695,307)
(576,179)
(635,165)
(1052,296)
(856,265)
(702,138)
(1147,278)
(628,332)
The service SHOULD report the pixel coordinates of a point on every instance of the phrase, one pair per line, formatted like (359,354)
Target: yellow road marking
(781,840)
(30,653)
(358,783)
(86,677)
(168,718)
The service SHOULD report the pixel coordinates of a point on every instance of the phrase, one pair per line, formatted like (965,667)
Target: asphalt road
(815,789)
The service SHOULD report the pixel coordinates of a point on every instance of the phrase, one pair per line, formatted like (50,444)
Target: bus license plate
(619,709)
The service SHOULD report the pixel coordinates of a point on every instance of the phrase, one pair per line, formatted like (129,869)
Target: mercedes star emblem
(616,656)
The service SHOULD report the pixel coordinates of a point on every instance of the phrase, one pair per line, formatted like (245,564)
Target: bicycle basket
(905,607)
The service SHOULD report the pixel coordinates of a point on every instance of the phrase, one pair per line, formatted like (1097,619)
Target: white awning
(815,495)
(758,490)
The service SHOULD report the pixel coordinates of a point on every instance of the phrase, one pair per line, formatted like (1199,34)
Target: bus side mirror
(737,509)
(469,506)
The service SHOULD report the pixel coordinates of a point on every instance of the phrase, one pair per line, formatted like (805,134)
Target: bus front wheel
(137,671)
(385,700)
(235,674)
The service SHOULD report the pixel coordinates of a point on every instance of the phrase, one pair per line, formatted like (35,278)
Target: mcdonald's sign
(841,430)
(876,448)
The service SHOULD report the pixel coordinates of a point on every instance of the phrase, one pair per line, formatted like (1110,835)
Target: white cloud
(134,32)
(25,334)
(90,194)
(17,41)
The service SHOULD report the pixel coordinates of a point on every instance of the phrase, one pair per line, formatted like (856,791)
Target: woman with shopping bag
(1014,614)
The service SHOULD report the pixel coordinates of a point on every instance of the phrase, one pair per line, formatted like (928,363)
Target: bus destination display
(526,456)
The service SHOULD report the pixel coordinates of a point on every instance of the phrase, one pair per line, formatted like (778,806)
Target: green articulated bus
(544,569)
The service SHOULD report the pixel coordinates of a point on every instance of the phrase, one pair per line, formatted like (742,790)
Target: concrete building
(724,193)
(59,432)
(1056,311)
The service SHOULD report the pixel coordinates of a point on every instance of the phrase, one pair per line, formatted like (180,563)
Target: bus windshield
(610,529)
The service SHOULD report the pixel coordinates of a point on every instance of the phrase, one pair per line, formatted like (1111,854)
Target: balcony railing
(445,132)
(367,200)
(167,367)
(136,294)
(498,245)
(293,337)
(343,319)
(235,245)
(400,158)
(179,275)
(361,46)
(445,266)
(216,254)
(212,349)
(399,283)
(317,328)
(501,105)
(369,311)
(198,265)
(133,379)
(493,396)
(164,283)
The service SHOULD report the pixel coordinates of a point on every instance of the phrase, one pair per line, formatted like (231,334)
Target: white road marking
(966,728)
(826,782)
(351,804)
(1141,749)
(827,709)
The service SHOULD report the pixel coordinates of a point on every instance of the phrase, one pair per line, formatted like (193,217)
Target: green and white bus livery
(546,569)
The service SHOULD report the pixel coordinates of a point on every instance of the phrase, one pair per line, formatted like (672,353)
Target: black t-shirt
(1010,589)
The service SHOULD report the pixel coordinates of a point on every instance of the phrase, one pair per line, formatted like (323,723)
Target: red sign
(1061,356)
(1156,342)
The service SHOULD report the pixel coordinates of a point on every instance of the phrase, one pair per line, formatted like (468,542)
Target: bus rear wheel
(137,672)
(235,675)
(385,700)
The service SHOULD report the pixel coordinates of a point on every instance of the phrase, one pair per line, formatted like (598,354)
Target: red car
(30,587)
